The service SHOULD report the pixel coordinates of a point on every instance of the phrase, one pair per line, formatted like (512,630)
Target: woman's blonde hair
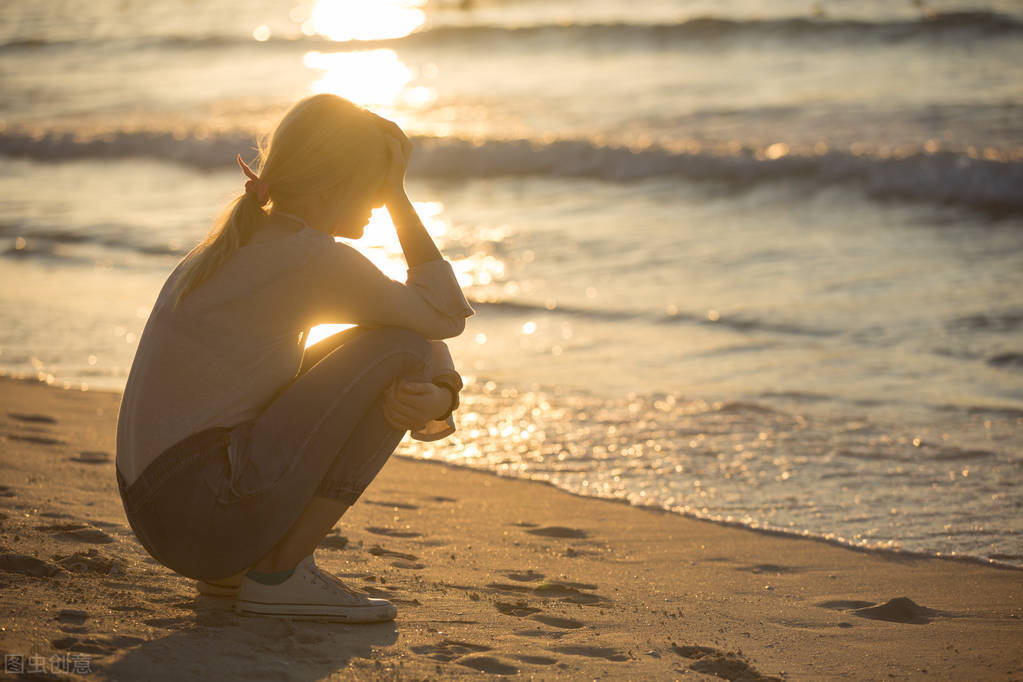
(323,144)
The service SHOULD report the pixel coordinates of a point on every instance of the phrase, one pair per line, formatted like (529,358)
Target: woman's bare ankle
(274,563)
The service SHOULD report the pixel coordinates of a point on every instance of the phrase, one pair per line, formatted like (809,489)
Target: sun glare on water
(373,78)
(370,78)
(380,245)
(343,20)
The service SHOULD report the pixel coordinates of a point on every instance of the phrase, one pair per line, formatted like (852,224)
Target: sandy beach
(492,576)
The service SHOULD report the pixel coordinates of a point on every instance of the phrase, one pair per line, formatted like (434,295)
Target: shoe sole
(320,612)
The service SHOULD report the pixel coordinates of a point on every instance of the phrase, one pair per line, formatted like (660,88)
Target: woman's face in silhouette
(355,213)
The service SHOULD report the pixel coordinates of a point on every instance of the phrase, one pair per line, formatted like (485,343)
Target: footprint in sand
(123,641)
(524,577)
(569,592)
(393,505)
(536,660)
(722,664)
(898,610)
(489,664)
(91,457)
(550,634)
(558,532)
(377,550)
(522,609)
(83,646)
(393,532)
(449,649)
(594,652)
(462,654)
(565,591)
(408,565)
(73,616)
(505,587)
(518,609)
(565,585)
(555,621)
(39,440)
(768,568)
(333,542)
(32,418)
(27,565)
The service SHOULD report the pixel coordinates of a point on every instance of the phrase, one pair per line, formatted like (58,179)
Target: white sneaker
(312,594)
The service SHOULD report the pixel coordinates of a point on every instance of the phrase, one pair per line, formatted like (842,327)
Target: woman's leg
(322,513)
(318,517)
(338,490)
(336,366)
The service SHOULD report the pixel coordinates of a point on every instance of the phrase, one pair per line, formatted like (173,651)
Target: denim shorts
(216,502)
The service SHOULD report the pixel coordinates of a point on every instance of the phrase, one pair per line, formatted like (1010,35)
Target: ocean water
(754,262)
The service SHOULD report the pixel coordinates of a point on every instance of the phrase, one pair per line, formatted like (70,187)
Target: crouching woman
(238,448)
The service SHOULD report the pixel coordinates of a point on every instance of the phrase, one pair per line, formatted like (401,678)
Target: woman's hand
(408,406)
(416,243)
(399,147)
(394,181)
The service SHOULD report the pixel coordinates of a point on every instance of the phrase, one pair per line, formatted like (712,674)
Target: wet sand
(491,576)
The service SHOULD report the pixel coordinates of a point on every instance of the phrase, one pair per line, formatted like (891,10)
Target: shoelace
(333,581)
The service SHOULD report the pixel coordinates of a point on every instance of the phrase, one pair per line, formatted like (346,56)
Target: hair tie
(254,184)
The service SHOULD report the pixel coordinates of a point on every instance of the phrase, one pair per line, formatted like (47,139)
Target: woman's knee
(393,338)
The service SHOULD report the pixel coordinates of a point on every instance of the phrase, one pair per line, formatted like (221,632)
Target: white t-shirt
(238,338)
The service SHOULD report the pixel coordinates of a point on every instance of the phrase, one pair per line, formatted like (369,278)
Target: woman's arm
(344,286)
(416,243)
(430,302)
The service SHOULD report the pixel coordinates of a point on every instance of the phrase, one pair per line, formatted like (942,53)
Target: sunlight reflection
(370,78)
(478,269)
(375,77)
(343,20)
(322,331)
(380,245)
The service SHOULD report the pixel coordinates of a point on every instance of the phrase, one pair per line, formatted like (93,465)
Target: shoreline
(781,532)
(824,467)
(737,525)
(491,574)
